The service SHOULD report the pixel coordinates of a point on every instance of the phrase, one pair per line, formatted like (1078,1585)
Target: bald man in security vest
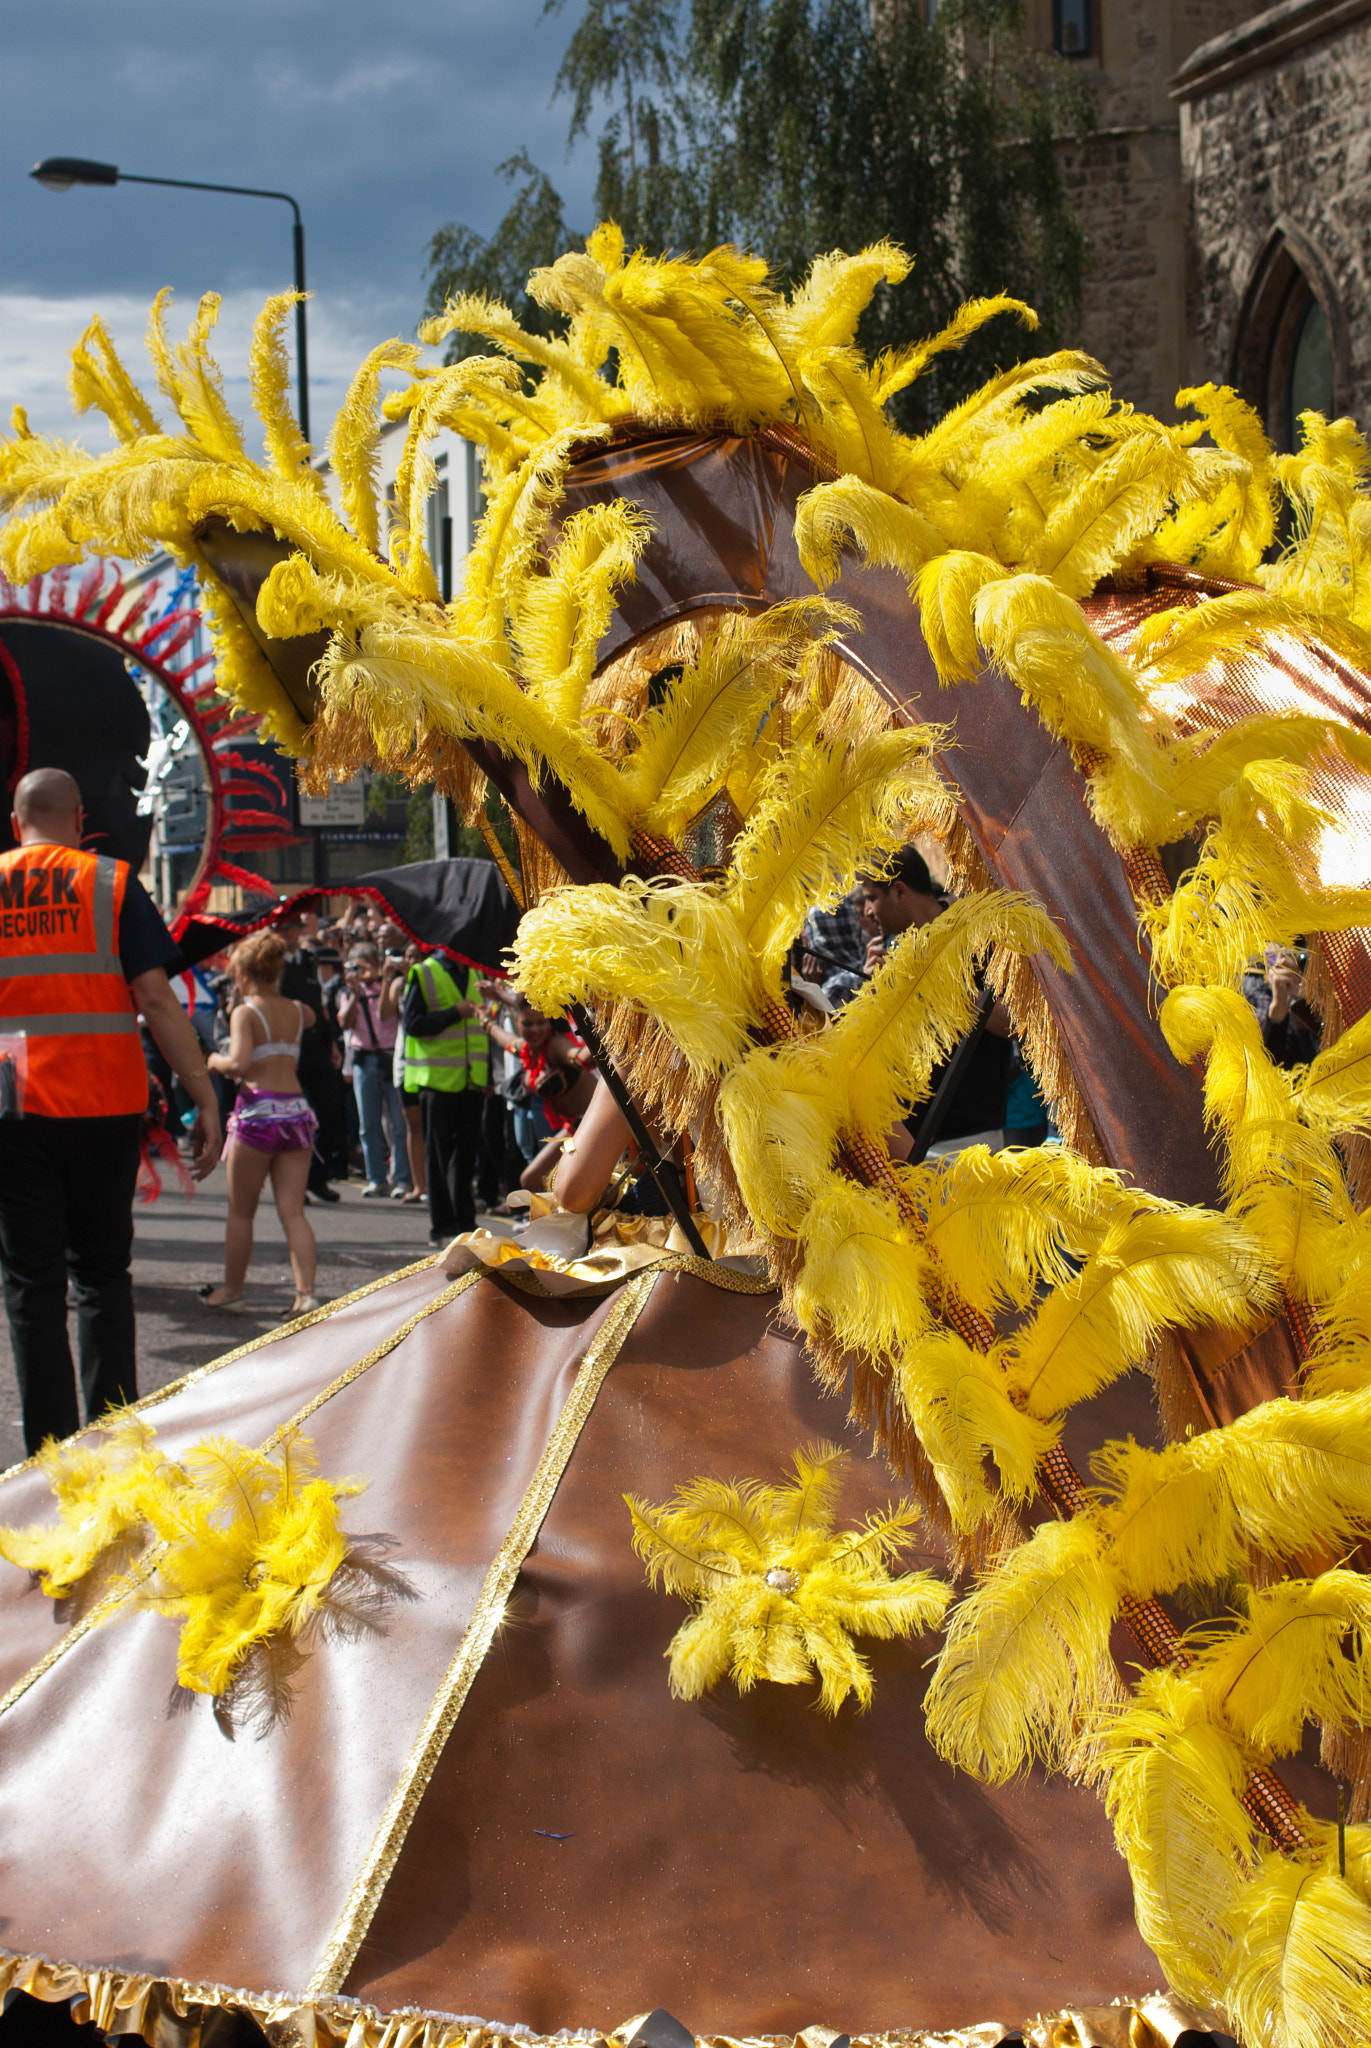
(82,952)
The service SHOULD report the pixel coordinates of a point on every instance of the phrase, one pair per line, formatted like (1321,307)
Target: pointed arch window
(1290,350)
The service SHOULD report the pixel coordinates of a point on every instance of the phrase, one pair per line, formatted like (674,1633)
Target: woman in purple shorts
(271,1127)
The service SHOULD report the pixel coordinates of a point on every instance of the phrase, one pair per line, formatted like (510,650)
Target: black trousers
(324,1089)
(501,1162)
(66,1210)
(452,1140)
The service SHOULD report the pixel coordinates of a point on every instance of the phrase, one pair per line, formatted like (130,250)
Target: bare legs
(247,1175)
(289,1178)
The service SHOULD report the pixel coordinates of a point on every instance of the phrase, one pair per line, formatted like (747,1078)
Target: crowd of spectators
(437,1086)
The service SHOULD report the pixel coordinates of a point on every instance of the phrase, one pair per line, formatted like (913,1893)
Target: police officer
(82,952)
(447,1056)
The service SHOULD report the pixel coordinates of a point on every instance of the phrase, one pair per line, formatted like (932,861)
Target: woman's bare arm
(241,1046)
(586,1171)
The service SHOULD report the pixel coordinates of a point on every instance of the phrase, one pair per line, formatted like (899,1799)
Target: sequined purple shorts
(271,1122)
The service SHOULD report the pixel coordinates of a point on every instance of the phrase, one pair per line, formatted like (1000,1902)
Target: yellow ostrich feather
(823,813)
(1154,1271)
(1173,1787)
(1334,1095)
(1228,531)
(958,1401)
(249,1546)
(1256,881)
(1283,1475)
(1007,1223)
(1025,1670)
(189,376)
(863,1276)
(898,368)
(946,590)
(685,747)
(98,1487)
(890,535)
(269,367)
(565,373)
(779,1115)
(1299,1655)
(778,1592)
(1282,1179)
(1299,1971)
(672,951)
(243,1546)
(98,379)
(1326,566)
(885,1043)
(354,444)
(561,617)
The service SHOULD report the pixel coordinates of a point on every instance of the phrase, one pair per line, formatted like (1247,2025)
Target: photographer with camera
(371,1042)
(448,1058)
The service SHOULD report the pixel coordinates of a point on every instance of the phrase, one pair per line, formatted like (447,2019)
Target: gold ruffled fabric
(169,2013)
(619,1246)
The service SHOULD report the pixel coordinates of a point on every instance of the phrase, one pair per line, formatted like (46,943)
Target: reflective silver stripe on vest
(72,1027)
(14,969)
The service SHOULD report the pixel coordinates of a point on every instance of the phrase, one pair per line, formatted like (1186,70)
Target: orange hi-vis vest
(62,986)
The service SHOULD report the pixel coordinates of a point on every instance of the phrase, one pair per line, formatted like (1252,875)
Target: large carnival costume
(726,637)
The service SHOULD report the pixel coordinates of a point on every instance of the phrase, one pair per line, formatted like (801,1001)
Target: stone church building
(1226,197)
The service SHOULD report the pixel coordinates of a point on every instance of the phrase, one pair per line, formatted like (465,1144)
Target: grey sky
(383,122)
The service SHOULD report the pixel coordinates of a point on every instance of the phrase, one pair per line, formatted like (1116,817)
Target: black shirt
(144,941)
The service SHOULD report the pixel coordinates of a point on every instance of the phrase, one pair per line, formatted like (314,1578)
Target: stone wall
(1127,186)
(1276,149)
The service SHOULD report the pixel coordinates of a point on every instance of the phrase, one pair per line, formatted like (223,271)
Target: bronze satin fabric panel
(244,1850)
(723,517)
(747,1863)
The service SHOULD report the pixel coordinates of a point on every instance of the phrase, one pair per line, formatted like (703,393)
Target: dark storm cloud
(383,122)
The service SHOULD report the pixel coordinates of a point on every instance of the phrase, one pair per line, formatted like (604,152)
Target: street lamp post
(60,173)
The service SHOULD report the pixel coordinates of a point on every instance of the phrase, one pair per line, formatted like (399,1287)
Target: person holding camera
(371,1041)
(447,1056)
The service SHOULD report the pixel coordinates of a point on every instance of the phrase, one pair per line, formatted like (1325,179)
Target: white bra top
(277,1048)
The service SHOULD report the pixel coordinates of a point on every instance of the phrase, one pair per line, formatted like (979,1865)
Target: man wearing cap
(82,952)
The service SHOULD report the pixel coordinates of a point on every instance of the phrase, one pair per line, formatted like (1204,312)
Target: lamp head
(60,173)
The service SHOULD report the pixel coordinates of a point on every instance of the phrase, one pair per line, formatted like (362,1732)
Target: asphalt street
(178,1245)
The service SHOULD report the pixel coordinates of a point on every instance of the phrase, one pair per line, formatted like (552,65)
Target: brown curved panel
(746,1862)
(723,525)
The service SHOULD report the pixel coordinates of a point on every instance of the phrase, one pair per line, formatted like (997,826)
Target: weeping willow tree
(793,125)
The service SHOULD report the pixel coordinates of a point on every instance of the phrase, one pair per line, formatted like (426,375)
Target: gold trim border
(104,1609)
(362,1901)
(169,2012)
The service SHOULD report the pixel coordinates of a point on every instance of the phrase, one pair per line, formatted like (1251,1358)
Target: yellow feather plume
(1301,1971)
(1158,1270)
(672,951)
(958,1401)
(1300,1655)
(825,812)
(1174,1783)
(1284,1473)
(885,1043)
(778,1593)
(270,371)
(1026,1668)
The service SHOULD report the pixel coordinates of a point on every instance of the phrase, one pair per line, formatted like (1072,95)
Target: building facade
(1276,150)
(1127,182)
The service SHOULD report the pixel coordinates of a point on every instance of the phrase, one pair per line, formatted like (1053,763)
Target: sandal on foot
(234,1306)
(302,1305)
